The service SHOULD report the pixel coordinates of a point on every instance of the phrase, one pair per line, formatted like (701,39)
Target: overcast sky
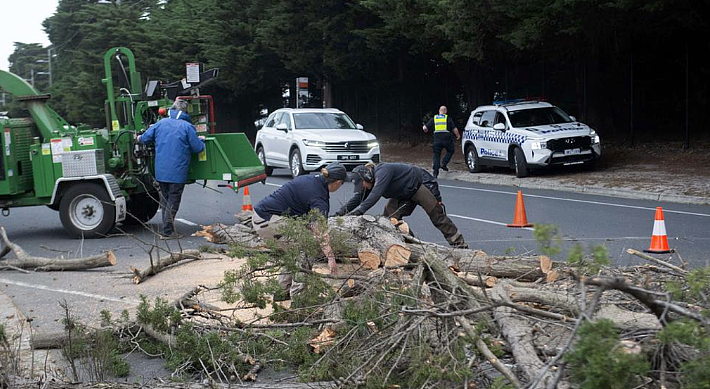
(22,22)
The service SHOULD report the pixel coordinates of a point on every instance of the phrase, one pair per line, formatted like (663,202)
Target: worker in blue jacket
(175,139)
(296,198)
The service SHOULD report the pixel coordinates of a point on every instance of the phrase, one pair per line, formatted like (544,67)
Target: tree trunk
(26,261)
(139,275)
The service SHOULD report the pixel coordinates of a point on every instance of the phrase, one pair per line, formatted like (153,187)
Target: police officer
(406,186)
(296,198)
(443,127)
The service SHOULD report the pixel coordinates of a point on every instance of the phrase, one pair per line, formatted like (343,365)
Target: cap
(362,172)
(336,171)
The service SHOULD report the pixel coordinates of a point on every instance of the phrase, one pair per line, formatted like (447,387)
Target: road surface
(480,211)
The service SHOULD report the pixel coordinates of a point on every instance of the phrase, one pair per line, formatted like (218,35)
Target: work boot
(457,241)
(436,174)
(173,235)
(445,168)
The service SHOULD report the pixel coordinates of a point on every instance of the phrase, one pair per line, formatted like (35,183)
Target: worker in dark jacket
(175,140)
(296,198)
(406,186)
(443,128)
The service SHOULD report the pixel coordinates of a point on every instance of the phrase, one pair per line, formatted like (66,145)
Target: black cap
(336,171)
(364,173)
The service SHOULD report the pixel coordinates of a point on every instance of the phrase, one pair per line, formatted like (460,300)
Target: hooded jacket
(175,140)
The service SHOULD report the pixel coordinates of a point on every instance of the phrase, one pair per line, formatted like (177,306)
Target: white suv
(525,135)
(307,139)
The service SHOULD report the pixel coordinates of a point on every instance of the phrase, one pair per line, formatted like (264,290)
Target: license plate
(348,157)
(572,151)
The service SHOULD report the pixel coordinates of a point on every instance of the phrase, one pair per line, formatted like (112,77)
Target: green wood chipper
(97,178)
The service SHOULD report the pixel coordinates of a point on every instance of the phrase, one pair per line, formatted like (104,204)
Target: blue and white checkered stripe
(495,136)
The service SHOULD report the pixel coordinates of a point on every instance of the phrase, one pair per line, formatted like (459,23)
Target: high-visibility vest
(440,123)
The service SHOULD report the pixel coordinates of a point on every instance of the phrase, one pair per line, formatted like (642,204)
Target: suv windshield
(324,121)
(538,117)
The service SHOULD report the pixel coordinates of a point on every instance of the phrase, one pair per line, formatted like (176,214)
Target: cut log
(370,257)
(139,275)
(219,233)
(397,255)
(26,261)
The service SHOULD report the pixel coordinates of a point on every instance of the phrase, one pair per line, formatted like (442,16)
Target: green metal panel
(227,157)
(43,170)
(17,136)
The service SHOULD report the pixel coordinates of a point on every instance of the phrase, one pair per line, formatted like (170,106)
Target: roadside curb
(505,180)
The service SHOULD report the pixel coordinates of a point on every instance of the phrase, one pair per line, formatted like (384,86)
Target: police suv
(525,135)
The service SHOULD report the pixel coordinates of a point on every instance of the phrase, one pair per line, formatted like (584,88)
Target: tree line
(632,69)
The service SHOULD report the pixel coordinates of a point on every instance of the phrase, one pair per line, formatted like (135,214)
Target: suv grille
(359,147)
(569,143)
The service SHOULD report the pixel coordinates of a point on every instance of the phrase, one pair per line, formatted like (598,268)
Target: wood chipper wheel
(87,211)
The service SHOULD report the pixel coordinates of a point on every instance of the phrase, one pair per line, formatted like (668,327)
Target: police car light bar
(525,100)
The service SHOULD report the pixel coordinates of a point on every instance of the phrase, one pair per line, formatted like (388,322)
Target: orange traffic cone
(246,200)
(659,240)
(519,219)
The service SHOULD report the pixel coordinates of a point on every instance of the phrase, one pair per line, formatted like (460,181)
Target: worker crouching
(405,186)
(297,198)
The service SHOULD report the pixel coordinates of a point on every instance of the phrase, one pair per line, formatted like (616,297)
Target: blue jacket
(175,139)
(296,197)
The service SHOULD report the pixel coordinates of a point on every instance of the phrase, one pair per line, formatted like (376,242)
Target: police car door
(486,145)
(500,139)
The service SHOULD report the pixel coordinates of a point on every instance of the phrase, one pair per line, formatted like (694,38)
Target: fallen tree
(436,317)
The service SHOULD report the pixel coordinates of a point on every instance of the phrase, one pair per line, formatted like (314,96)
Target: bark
(517,331)
(139,275)
(26,261)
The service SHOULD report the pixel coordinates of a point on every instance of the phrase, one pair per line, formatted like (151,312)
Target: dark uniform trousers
(442,142)
(170,196)
(398,208)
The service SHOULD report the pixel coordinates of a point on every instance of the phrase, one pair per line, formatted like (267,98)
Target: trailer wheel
(86,210)
(142,207)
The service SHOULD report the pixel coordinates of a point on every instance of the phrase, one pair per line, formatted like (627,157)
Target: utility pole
(48,61)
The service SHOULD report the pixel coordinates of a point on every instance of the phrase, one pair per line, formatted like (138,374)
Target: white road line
(268,183)
(183,221)
(74,292)
(576,200)
(486,221)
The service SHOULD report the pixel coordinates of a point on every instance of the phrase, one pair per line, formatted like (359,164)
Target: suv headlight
(314,143)
(372,144)
(537,144)
(594,136)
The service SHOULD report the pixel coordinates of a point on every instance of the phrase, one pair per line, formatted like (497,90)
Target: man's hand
(425,129)
(202,137)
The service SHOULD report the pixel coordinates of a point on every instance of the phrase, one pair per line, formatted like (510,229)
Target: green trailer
(98,177)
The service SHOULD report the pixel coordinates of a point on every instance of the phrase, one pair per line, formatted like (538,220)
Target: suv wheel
(472,161)
(296,164)
(521,165)
(262,157)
